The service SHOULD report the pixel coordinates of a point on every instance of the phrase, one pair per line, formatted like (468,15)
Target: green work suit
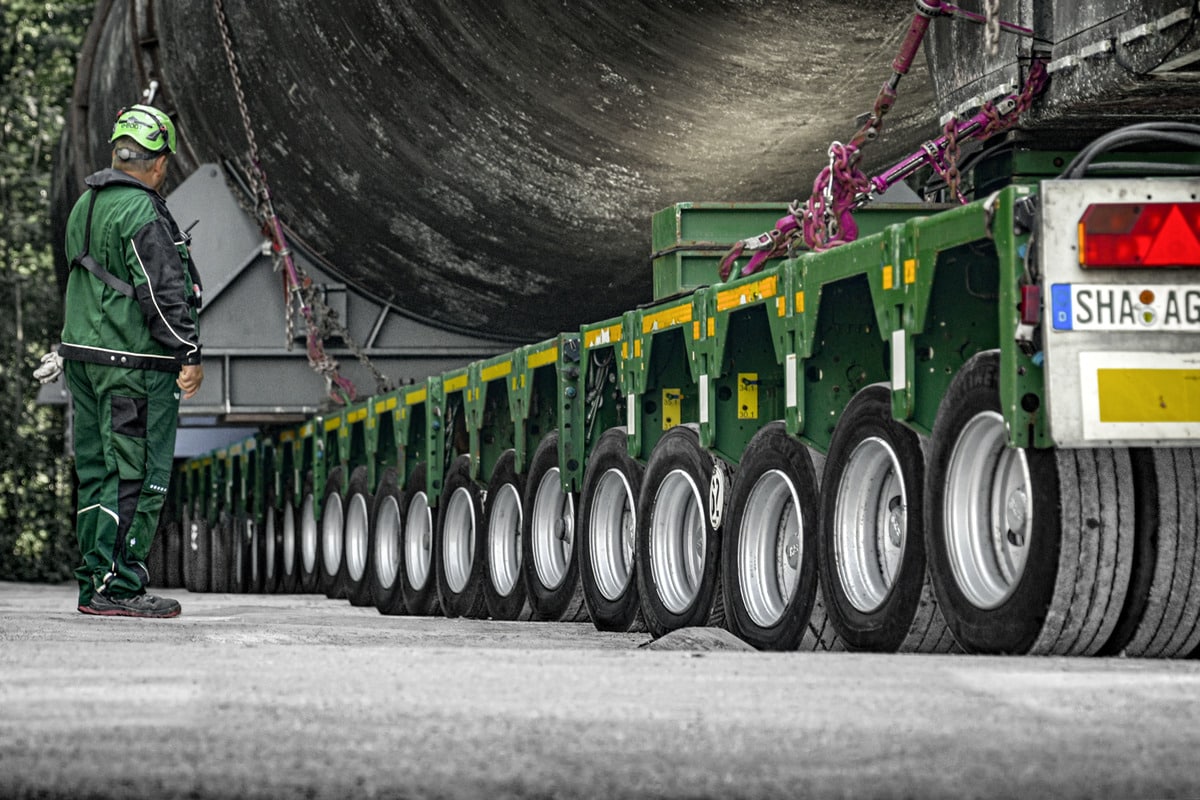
(131,322)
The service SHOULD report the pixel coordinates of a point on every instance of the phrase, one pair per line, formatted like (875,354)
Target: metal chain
(952,153)
(320,318)
(991,34)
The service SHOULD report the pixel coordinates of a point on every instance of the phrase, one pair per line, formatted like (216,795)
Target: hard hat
(146,125)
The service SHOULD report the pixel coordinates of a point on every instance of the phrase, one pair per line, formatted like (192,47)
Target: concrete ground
(299,696)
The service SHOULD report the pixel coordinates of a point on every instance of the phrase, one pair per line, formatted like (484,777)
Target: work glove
(51,368)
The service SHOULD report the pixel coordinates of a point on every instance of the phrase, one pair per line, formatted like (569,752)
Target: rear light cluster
(1140,235)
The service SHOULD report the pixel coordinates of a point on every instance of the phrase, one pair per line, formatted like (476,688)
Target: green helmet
(147,126)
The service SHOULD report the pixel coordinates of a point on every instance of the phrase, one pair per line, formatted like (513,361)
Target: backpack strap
(93,266)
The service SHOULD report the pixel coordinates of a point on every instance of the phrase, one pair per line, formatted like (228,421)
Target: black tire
(607,529)
(418,579)
(221,544)
(1161,617)
(871,548)
(288,542)
(459,544)
(549,557)
(332,532)
(197,549)
(308,527)
(243,553)
(387,550)
(503,523)
(1055,582)
(356,555)
(769,543)
(674,517)
(173,554)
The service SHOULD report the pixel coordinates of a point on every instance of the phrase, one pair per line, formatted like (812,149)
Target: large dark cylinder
(492,166)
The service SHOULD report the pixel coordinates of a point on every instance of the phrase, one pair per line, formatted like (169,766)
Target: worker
(131,347)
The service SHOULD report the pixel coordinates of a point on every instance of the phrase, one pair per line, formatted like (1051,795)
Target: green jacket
(136,241)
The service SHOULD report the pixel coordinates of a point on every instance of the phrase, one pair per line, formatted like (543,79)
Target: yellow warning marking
(235,450)
(747,395)
(287,436)
(306,430)
(696,331)
(749,293)
(385,405)
(667,318)
(457,383)
(781,306)
(356,416)
(910,270)
(637,348)
(496,371)
(606,335)
(672,399)
(712,326)
(1149,395)
(412,398)
(333,424)
(888,277)
(799,302)
(542,358)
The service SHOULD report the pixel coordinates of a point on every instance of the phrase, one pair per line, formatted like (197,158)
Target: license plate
(1134,307)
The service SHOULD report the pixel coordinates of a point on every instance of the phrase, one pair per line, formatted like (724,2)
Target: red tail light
(1140,235)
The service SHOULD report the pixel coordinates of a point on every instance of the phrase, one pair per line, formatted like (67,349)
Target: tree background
(39,41)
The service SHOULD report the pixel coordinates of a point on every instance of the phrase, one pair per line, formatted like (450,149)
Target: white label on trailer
(1130,307)
(899,363)
(703,399)
(790,380)
(631,415)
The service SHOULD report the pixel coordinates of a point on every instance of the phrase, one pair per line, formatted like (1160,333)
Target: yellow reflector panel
(1149,395)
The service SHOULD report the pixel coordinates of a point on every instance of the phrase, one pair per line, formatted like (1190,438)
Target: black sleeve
(162,297)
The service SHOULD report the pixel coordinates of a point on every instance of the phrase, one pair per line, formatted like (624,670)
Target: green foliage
(38,43)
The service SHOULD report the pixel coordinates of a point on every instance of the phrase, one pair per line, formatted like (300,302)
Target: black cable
(1142,167)
(1179,133)
(1192,19)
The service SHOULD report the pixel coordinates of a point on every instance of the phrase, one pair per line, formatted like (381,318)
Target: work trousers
(125,422)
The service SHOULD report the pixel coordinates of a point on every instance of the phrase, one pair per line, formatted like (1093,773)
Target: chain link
(992,27)
(951,173)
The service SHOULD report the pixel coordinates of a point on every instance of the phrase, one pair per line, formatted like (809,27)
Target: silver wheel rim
(770,548)
(308,534)
(870,523)
(418,541)
(357,529)
(988,511)
(458,539)
(269,544)
(252,542)
(504,539)
(333,526)
(612,524)
(678,541)
(289,539)
(387,542)
(553,531)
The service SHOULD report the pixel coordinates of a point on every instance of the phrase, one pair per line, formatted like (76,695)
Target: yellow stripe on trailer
(385,405)
(496,371)
(542,358)
(455,384)
(667,318)
(333,424)
(412,398)
(355,416)
(610,334)
(749,293)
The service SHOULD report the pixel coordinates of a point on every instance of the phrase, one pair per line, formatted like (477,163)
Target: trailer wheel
(607,531)
(1162,611)
(309,539)
(387,536)
(768,557)
(459,544)
(1029,550)
(196,549)
(332,536)
(268,543)
(550,561)
(678,547)
(221,544)
(173,554)
(288,543)
(418,583)
(354,577)
(504,589)
(871,549)
(241,573)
